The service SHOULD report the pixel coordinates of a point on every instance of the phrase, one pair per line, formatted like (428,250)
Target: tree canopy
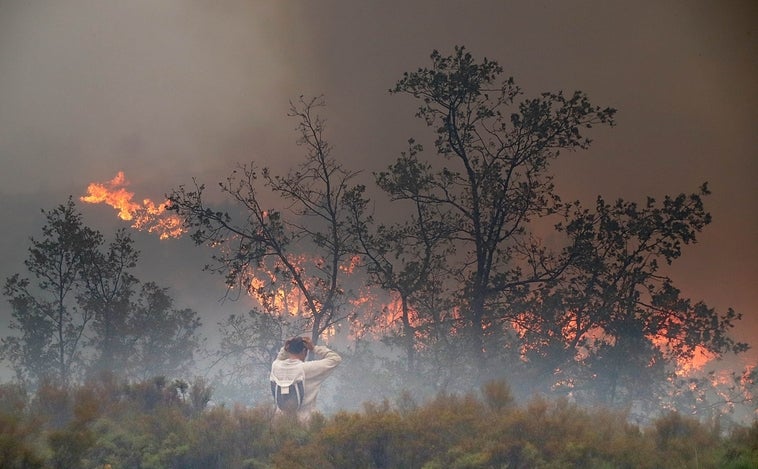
(479,270)
(80,311)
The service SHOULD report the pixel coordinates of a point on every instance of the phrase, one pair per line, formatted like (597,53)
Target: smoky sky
(170,90)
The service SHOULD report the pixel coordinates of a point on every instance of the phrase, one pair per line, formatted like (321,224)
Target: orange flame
(145,216)
(696,360)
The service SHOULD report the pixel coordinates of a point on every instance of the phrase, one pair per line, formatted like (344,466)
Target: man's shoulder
(288,362)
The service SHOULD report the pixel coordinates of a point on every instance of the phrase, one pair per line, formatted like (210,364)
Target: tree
(45,310)
(163,339)
(78,315)
(249,343)
(613,324)
(292,260)
(619,279)
(109,287)
(405,259)
(490,178)
(594,317)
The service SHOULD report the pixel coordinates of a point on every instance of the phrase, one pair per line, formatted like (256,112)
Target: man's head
(296,347)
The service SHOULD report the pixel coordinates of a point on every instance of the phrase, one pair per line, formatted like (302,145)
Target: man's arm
(321,368)
(327,355)
(283,354)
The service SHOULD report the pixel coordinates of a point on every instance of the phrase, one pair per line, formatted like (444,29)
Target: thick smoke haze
(171,90)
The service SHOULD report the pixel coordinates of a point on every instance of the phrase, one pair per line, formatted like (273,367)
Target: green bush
(157,424)
(18,433)
(740,451)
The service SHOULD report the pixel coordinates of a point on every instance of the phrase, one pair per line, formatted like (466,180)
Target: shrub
(740,451)
(17,432)
(154,424)
(683,442)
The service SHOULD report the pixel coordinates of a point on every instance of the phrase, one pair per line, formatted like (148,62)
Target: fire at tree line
(461,285)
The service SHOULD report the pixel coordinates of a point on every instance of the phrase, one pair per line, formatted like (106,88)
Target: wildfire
(276,296)
(685,365)
(145,216)
(696,361)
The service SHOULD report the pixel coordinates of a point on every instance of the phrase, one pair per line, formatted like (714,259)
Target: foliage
(109,286)
(46,312)
(406,259)
(741,450)
(613,324)
(163,339)
(474,294)
(481,295)
(488,181)
(81,311)
(302,250)
(157,423)
(18,431)
(249,343)
(464,432)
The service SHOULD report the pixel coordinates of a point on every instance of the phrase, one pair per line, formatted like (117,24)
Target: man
(290,368)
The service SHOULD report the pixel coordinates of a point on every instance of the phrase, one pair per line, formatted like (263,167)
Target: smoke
(171,90)
(157,89)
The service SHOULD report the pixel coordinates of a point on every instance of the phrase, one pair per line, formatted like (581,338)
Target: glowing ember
(145,216)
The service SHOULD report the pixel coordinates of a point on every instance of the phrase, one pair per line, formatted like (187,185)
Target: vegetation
(81,311)
(478,293)
(306,251)
(456,289)
(161,424)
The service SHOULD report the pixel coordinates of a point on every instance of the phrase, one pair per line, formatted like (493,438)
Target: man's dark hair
(295,345)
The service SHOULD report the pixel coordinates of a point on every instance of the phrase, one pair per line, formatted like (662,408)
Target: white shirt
(286,368)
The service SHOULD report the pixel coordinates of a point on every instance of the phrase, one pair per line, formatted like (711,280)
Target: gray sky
(168,90)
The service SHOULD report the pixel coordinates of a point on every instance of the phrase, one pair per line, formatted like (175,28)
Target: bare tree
(291,258)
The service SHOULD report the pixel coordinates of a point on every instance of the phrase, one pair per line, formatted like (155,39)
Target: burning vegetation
(147,215)
(454,290)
